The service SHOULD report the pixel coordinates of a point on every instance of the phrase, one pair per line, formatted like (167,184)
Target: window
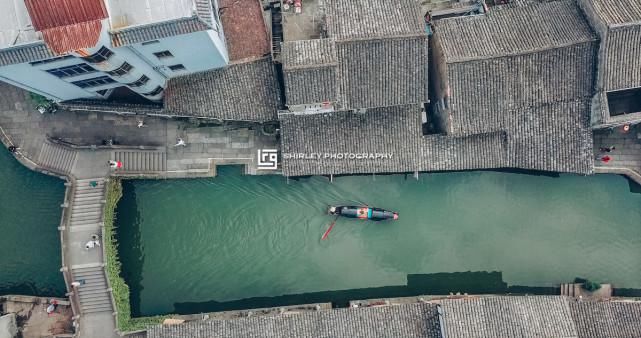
(96,81)
(81,68)
(163,54)
(122,70)
(103,54)
(51,60)
(150,42)
(155,92)
(177,67)
(140,82)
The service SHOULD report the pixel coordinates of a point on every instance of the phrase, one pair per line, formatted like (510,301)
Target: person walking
(180,143)
(607,149)
(605,159)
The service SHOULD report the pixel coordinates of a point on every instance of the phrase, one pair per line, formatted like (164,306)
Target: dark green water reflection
(198,245)
(29,240)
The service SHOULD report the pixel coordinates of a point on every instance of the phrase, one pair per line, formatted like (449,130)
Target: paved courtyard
(626,155)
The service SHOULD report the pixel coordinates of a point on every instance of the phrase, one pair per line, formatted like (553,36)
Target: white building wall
(197,51)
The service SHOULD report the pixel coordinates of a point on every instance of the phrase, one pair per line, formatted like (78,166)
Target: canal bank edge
(120,290)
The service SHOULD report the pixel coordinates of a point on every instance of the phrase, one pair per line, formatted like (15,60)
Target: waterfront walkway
(625,159)
(69,145)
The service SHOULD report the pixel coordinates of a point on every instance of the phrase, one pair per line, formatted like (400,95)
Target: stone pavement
(626,158)
(206,146)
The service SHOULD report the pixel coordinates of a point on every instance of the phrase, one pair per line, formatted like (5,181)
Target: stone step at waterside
(57,158)
(141,161)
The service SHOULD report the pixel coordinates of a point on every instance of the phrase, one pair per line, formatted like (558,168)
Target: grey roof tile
(508,317)
(358,19)
(382,72)
(552,137)
(246,91)
(615,12)
(606,319)
(25,53)
(309,53)
(400,321)
(158,30)
(621,64)
(484,91)
(513,29)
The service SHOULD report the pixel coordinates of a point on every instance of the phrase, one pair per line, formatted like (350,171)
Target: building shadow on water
(129,216)
(417,284)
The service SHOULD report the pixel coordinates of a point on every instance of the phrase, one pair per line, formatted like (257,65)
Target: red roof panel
(69,38)
(47,14)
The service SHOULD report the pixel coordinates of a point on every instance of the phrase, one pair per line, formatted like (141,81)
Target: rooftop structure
(246,91)
(469,317)
(374,54)
(72,49)
(15,24)
(618,85)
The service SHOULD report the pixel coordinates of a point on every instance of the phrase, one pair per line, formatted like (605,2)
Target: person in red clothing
(605,159)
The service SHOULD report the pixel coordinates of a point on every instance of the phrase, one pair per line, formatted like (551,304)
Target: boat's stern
(332,210)
(395,217)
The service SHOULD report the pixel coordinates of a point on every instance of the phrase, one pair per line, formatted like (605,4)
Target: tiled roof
(615,12)
(159,30)
(358,19)
(309,53)
(245,91)
(621,67)
(25,53)
(483,92)
(525,28)
(508,317)
(395,130)
(606,319)
(402,321)
(382,72)
(554,137)
(244,27)
(310,71)
(310,85)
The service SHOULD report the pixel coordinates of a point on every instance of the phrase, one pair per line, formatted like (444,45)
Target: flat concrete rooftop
(306,25)
(124,13)
(15,24)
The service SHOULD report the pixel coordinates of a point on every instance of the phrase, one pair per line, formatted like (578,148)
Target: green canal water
(241,241)
(29,240)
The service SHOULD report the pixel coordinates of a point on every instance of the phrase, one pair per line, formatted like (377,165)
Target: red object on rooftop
(68,25)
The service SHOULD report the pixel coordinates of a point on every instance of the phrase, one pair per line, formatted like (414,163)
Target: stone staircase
(86,219)
(141,162)
(57,158)
(568,289)
(93,293)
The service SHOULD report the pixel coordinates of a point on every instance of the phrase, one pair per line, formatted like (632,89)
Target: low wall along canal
(238,241)
(29,242)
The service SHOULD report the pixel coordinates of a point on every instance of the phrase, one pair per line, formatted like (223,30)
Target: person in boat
(374,214)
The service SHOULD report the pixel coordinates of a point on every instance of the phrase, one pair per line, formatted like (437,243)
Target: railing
(64,231)
(61,142)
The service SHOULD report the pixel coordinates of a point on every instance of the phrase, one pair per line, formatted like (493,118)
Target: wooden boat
(374,214)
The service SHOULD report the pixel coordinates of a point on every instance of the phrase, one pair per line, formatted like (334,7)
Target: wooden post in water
(416,175)
(331,178)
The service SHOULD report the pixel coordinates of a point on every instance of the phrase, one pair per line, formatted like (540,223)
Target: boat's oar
(329,229)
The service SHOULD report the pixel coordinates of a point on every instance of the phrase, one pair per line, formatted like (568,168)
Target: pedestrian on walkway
(180,142)
(92,244)
(13,149)
(605,159)
(114,164)
(141,124)
(607,149)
